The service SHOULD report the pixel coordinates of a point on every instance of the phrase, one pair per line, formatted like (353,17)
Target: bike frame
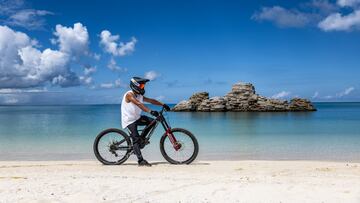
(153,124)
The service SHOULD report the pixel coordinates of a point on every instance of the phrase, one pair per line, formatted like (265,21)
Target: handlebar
(161,112)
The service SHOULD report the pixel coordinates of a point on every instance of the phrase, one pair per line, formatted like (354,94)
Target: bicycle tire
(185,132)
(105,132)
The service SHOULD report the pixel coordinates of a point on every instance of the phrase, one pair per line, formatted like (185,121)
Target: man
(131,108)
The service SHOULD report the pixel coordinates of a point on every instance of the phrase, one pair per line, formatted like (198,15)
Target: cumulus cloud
(14,13)
(72,40)
(111,45)
(281,95)
(282,17)
(339,22)
(23,65)
(151,75)
(87,79)
(112,65)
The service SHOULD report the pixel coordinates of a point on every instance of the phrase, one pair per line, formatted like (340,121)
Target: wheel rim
(112,147)
(185,152)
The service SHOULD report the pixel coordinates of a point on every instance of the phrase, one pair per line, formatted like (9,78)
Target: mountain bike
(177,145)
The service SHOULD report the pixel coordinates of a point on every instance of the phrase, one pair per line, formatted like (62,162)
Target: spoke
(104,147)
(185,152)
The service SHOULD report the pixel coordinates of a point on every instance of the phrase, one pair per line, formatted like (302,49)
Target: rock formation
(241,98)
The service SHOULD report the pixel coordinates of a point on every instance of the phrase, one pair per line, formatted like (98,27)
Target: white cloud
(161,97)
(151,75)
(14,13)
(73,40)
(111,45)
(107,85)
(28,18)
(89,70)
(282,17)
(341,94)
(86,80)
(338,22)
(322,6)
(23,65)
(281,95)
(347,91)
(316,95)
(348,3)
(116,84)
(66,80)
(326,15)
(10,100)
(14,99)
(97,56)
(9,6)
(12,91)
(114,67)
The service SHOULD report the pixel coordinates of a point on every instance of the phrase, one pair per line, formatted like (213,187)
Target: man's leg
(134,134)
(145,120)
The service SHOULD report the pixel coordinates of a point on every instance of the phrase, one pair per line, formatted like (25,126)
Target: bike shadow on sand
(166,163)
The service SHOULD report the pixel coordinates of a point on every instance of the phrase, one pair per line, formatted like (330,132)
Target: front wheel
(186,150)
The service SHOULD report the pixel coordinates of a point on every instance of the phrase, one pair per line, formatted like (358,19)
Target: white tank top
(129,111)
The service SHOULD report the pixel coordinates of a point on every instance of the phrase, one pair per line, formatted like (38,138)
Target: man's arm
(153,101)
(131,98)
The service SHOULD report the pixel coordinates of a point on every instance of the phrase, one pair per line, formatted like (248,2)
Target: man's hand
(154,113)
(166,107)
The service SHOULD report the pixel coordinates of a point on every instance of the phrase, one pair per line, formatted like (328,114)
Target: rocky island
(242,98)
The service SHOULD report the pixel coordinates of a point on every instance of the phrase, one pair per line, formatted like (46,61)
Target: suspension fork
(168,132)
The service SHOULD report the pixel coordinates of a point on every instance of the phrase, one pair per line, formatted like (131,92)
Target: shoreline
(202,181)
(131,160)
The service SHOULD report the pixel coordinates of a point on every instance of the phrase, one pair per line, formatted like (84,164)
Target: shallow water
(67,132)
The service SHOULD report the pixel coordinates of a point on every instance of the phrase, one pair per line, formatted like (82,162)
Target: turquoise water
(67,132)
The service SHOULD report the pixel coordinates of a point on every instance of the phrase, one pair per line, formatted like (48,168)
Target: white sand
(206,181)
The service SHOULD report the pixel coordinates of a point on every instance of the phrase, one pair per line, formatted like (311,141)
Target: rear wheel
(188,147)
(112,146)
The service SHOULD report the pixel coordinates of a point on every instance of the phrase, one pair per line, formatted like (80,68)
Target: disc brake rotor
(181,145)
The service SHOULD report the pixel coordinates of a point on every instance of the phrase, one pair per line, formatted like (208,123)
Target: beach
(202,181)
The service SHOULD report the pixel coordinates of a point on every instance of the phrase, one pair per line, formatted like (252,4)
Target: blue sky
(84,53)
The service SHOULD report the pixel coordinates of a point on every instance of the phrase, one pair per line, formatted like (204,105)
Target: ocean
(67,133)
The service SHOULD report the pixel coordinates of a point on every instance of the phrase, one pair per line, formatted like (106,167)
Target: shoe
(144,163)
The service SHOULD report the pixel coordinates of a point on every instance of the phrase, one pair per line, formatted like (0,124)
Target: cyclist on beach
(131,108)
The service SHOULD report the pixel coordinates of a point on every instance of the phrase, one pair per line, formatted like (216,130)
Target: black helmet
(137,85)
